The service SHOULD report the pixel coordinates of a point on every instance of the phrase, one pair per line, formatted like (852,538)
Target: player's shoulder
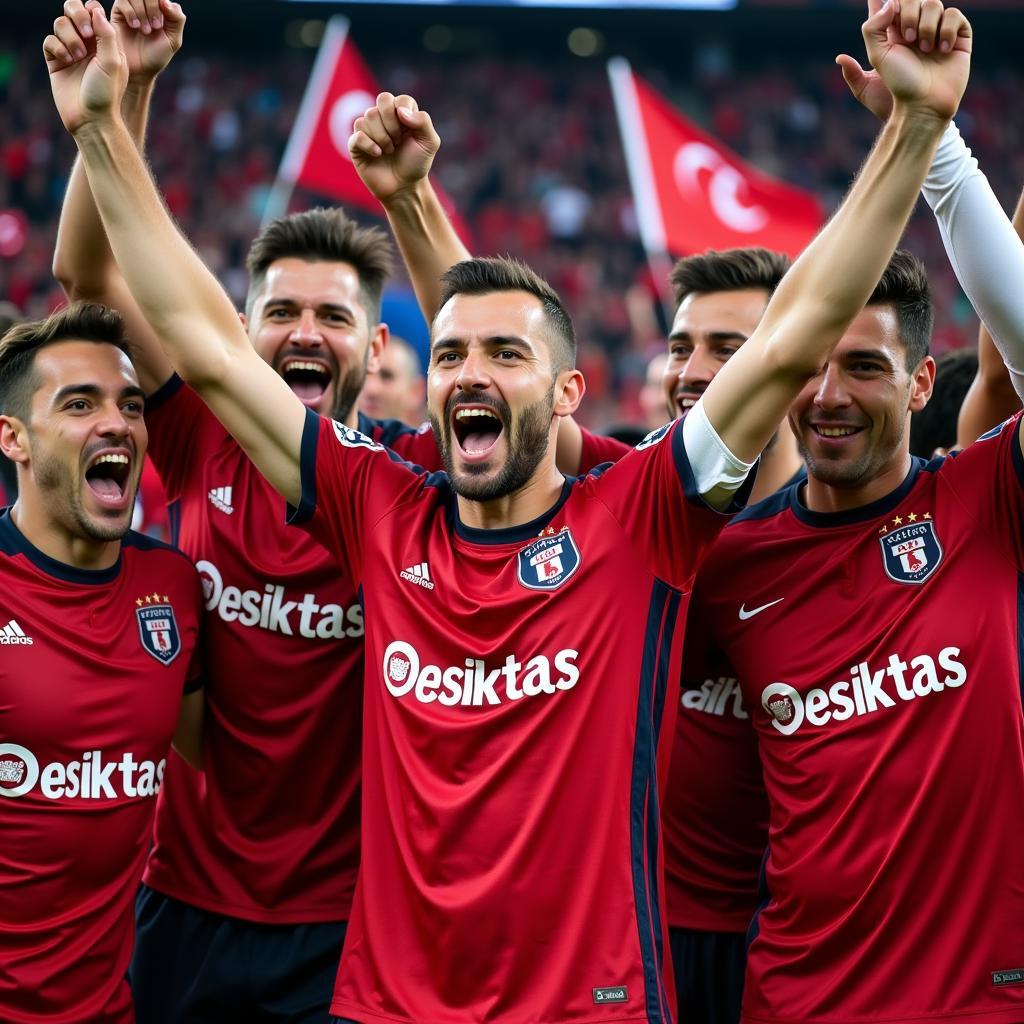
(415,445)
(153,551)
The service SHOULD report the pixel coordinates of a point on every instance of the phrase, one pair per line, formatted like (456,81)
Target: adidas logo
(12,633)
(418,574)
(220,497)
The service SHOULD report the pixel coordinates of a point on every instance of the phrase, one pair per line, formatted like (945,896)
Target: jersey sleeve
(349,482)
(180,426)
(652,493)
(988,480)
(598,449)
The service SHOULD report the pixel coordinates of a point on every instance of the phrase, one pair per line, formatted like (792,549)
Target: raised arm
(183,302)
(393,146)
(991,397)
(83,262)
(834,277)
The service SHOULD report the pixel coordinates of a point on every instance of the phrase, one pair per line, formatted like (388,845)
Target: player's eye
(680,352)
(508,354)
(77,405)
(133,408)
(278,313)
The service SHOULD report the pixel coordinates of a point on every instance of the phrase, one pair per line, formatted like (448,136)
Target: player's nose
(473,373)
(698,371)
(832,392)
(306,330)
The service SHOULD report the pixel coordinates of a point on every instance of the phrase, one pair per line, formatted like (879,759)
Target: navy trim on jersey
(645,825)
(14,542)
(174,521)
(307,470)
(510,534)
(164,393)
(384,432)
(764,898)
(1018,455)
(872,510)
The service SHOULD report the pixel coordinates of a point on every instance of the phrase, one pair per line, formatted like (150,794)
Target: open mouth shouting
(685,401)
(108,477)
(476,430)
(308,378)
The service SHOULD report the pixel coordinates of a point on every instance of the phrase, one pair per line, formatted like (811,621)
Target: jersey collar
(510,534)
(13,541)
(880,507)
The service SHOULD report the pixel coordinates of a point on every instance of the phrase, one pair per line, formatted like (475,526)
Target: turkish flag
(340,89)
(691,192)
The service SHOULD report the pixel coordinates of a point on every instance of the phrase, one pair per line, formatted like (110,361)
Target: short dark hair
(505,274)
(81,321)
(904,286)
(325,235)
(935,425)
(728,270)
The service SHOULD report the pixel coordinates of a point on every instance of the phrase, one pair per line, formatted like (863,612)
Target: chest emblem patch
(158,631)
(911,551)
(548,562)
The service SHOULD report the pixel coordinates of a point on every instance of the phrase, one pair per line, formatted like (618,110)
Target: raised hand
(393,145)
(150,32)
(88,71)
(920,52)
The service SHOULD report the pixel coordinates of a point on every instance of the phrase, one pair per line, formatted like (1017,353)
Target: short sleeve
(349,482)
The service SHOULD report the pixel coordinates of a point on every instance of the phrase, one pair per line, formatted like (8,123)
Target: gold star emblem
(927,515)
(884,529)
(156,598)
(149,600)
(167,600)
(912,517)
(898,521)
(138,601)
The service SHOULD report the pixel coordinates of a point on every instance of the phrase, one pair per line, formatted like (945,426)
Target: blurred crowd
(530,154)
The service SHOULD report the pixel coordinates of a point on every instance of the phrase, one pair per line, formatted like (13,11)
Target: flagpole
(641,178)
(305,121)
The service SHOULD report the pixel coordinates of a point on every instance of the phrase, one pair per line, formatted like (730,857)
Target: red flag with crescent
(691,192)
(340,88)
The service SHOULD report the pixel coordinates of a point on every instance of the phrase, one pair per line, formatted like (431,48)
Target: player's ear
(13,439)
(378,342)
(922,382)
(569,390)
(244,320)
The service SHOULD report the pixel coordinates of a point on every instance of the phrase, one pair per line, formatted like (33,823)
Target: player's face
(395,390)
(309,322)
(87,439)
(490,391)
(851,421)
(708,328)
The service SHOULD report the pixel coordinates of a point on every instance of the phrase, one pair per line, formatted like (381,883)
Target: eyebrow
(494,341)
(338,307)
(873,354)
(95,391)
(712,336)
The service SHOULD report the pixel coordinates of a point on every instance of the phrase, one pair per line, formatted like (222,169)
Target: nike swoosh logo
(744,614)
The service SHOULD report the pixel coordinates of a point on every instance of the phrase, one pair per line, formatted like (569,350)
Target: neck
(822,497)
(532,500)
(779,464)
(37,526)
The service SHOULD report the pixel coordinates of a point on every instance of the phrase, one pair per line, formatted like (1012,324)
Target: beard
(527,445)
(346,390)
(62,491)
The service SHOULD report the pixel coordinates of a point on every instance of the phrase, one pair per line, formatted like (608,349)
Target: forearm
(983,246)
(177,294)
(82,261)
(427,240)
(991,397)
(825,289)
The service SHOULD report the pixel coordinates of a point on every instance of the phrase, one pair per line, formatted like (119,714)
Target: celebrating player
(510,823)
(99,629)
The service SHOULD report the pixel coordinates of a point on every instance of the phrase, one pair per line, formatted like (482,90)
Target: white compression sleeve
(983,247)
(716,471)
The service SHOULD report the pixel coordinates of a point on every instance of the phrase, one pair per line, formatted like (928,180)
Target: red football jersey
(514,715)
(715,812)
(92,670)
(270,831)
(880,652)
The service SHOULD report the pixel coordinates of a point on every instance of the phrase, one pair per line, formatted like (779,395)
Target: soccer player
(99,626)
(511,761)
(257,870)
(396,389)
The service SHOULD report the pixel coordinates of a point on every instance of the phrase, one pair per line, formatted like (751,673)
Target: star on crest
(883,529)
(927,515)
(898,521)
(138,601)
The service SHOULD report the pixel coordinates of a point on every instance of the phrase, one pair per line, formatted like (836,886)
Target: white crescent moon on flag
(723,190)
(346,109)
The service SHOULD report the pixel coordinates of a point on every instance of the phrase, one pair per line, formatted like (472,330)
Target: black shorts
(709,968)
(195,967)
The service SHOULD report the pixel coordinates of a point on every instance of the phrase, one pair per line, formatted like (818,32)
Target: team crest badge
(911,552)
(352,438)
(654,437)
(158,631)
(549,561)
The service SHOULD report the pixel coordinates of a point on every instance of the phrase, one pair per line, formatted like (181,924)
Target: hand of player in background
(88,70)
(150,32)
(393,145)
(921,56)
